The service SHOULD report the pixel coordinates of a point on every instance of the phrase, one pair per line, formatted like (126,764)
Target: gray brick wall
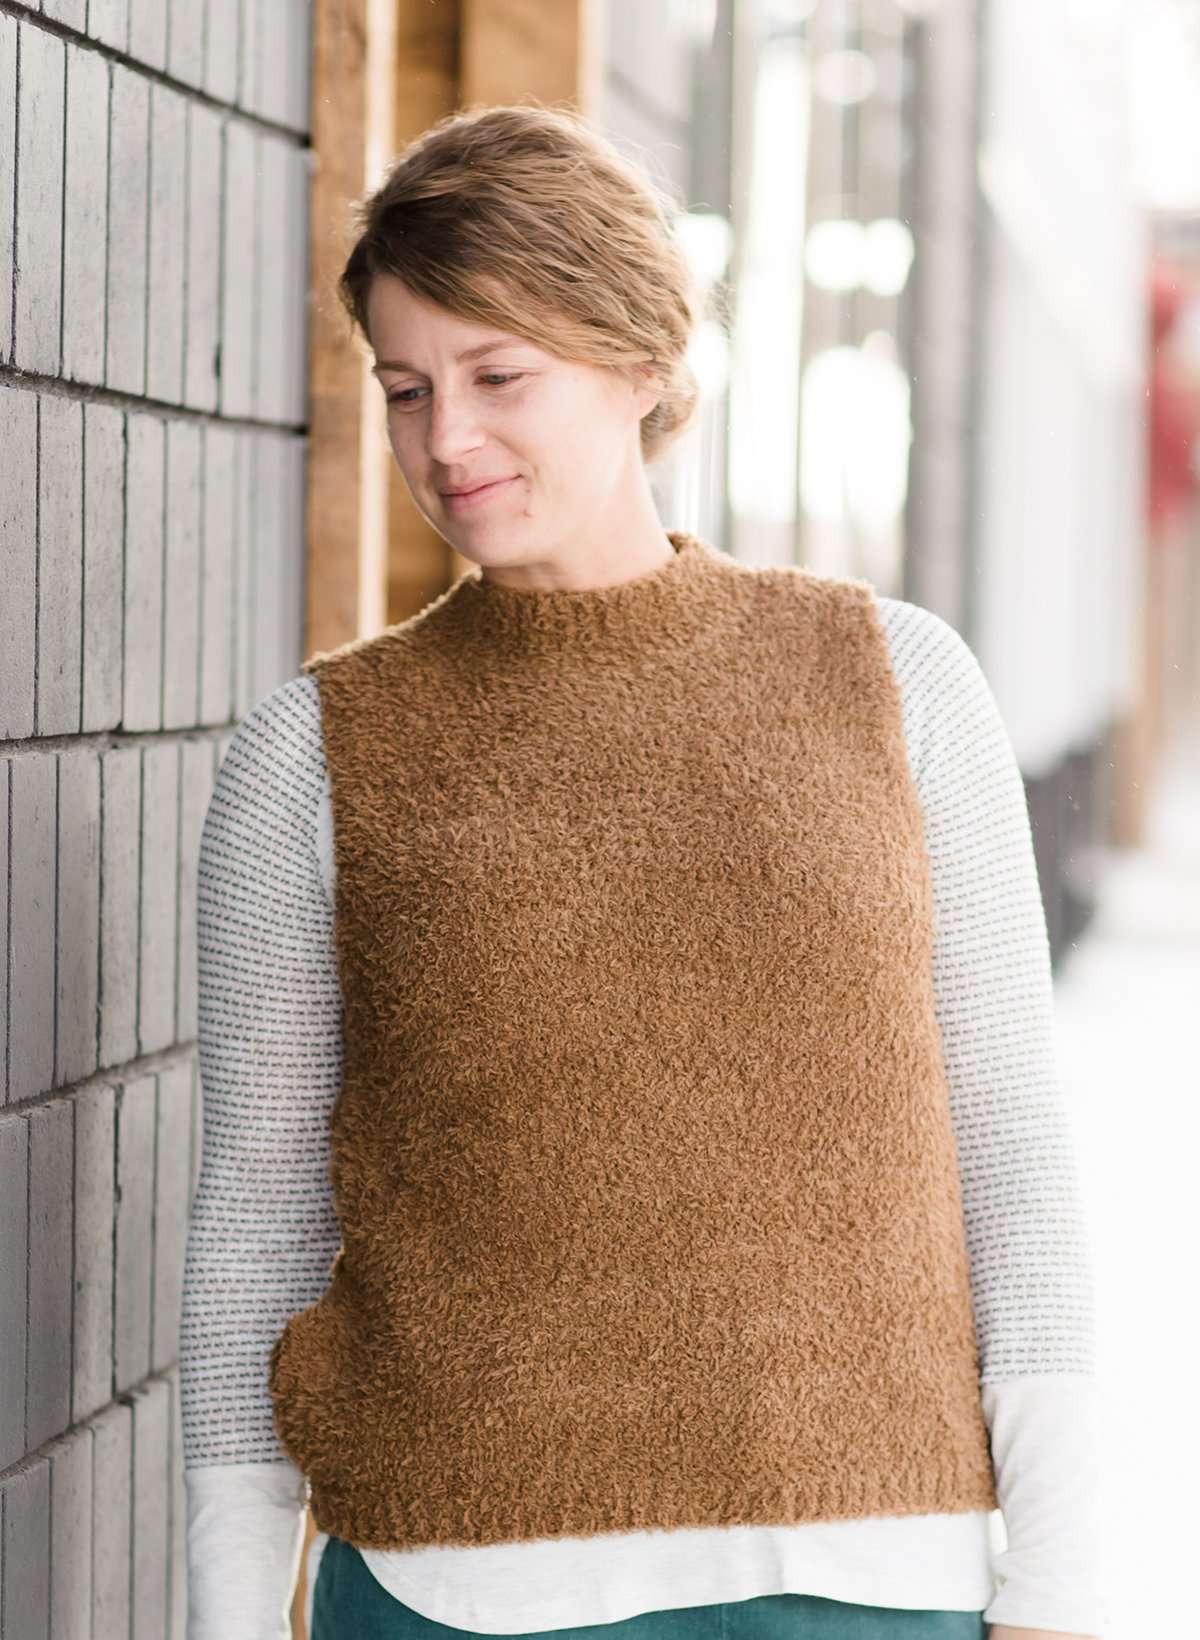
(153,280)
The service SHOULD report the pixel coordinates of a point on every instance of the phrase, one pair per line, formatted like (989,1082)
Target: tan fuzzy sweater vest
(643,1154)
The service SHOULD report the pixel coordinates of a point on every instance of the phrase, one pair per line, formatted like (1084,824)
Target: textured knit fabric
(643,1156)
(263,1229)
(349,1604)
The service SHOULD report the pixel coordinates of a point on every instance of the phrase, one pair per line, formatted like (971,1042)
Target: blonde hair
(525,216)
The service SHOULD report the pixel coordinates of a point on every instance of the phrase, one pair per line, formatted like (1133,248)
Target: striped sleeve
(262,1233)
(1028,1241)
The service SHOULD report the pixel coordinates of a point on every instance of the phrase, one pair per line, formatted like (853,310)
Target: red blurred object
(1174,424)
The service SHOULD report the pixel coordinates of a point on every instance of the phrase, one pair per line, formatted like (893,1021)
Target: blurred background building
(944,229)
(952,253)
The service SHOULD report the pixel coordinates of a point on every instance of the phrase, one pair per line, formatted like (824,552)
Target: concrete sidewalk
(1129,1013)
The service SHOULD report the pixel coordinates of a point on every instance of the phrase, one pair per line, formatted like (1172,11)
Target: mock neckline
(659,606)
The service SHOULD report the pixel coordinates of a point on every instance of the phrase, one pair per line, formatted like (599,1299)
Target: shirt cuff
(1045,1440)
(245,1532)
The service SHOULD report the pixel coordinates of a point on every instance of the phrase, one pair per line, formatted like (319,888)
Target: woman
(636,1192)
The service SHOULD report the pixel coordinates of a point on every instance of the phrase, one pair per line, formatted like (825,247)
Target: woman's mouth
(467,499)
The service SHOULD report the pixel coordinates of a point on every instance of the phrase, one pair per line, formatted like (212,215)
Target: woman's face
(557,441)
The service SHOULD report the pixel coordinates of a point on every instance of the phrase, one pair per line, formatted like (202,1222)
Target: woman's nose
(453,430)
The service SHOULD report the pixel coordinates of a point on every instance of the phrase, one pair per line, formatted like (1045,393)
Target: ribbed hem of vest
(370,1520)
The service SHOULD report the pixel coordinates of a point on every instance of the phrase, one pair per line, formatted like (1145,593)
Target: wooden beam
(346,480)
(426,88)
(553,49)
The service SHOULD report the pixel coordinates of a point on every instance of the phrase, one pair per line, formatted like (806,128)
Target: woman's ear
(647,388)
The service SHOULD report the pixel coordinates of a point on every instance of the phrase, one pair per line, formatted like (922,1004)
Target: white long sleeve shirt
(263,1229)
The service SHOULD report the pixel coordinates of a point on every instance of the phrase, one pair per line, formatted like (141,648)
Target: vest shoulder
(811,607)
(818,582)
(909,628)
(817,589)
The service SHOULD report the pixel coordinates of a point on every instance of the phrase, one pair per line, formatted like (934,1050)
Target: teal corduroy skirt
(350,1603)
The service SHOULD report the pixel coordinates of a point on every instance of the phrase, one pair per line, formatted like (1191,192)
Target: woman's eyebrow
(467,353)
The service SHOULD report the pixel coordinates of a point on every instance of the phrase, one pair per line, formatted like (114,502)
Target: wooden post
(347,471)
(553,49)
(426,88)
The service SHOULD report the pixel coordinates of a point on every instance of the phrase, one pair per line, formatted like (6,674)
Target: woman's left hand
(1007,1631)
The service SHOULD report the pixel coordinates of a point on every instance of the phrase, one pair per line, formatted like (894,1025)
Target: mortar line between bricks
(165,589)
(91,1536)
(8,941)
(62,226)
(121,707)
(148,302)
(127,1395)
(180,770)
(101,996)
(186,252)
(108,113)
(233,689)
(54,1064)
(104,740)
(51,1469)
(222,246)
(74,1234)
(141,899)
(16,270)
(118,1092)
(37,552)
(154,1217)
(28,1282)
(171,1489)
(55,386)
(109,1076)
(256,284)
(83,563)
(201,566)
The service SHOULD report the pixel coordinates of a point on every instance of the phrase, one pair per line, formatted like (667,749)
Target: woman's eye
(493,378)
